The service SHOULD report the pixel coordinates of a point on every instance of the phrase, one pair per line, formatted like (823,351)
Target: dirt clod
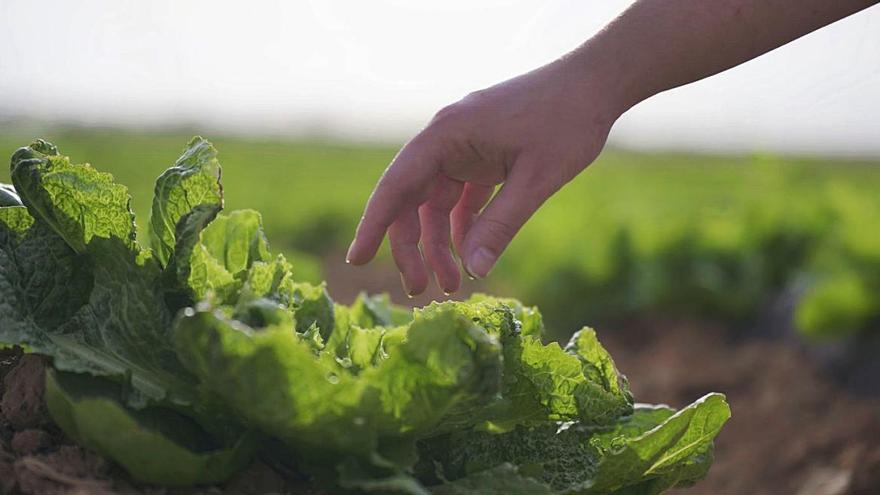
(30,441)
(7,470)
(22,403)
(9,357)
(69,469)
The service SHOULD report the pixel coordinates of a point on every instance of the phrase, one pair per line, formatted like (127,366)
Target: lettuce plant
(183,360)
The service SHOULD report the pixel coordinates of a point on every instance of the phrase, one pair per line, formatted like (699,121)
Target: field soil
(795,429)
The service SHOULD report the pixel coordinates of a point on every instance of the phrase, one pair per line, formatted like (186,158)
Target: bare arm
(536,132)
(657,45)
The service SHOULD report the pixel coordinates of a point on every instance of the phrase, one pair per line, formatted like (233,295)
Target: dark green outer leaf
(126,328)
(42,281)
(643,454)
(16,324)
(8,196)
(53,282)
(155,445)
(504,479)
(679,451)
(110,317)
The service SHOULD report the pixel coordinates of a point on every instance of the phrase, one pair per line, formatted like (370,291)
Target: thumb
(519,197)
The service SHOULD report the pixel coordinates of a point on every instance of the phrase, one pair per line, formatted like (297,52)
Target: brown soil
(22,403)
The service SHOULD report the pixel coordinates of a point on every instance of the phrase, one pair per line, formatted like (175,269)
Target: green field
(712,235)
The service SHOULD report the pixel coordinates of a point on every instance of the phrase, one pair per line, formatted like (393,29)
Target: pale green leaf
(155,445)
(193,181)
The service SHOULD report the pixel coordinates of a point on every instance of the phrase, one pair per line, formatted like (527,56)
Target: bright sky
(378,69)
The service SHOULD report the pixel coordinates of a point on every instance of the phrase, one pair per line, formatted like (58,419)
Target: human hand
(533,134)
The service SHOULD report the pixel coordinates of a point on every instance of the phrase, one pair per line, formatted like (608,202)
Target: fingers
(473,199)
(493,230)
(403,236)
(434,215)
(403,187)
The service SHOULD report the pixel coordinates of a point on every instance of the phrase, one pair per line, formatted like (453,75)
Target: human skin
(534,133)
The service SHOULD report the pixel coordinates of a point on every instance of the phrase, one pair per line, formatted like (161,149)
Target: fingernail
(408,292)
(446,291)
(467,271)
(348,253)
(480,262)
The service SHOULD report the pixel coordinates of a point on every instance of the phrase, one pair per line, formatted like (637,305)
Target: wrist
(605,79)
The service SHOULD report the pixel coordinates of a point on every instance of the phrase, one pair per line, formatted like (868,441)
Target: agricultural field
(701,275)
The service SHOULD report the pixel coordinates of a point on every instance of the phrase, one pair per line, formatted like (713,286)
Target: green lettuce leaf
(43,283)
(273,379)
(366,332)
(76,201)
(274,280)
(16,222)
(214,252)
(678,452)
(42,280)
(236,240)
(646,453)
(155,445)
(377,310)
(544,382)
(453,366)
(17,325)
(125,329)
(8,196)
(193,181)
(503,479)
(530,321)
(96,305)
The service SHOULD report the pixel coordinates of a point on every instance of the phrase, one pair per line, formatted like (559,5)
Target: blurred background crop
(729,238)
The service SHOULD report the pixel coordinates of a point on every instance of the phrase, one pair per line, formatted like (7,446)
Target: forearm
(657,45)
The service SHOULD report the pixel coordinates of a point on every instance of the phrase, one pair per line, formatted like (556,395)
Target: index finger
(405,184)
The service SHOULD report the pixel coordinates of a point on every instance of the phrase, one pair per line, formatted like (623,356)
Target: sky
(378,70)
